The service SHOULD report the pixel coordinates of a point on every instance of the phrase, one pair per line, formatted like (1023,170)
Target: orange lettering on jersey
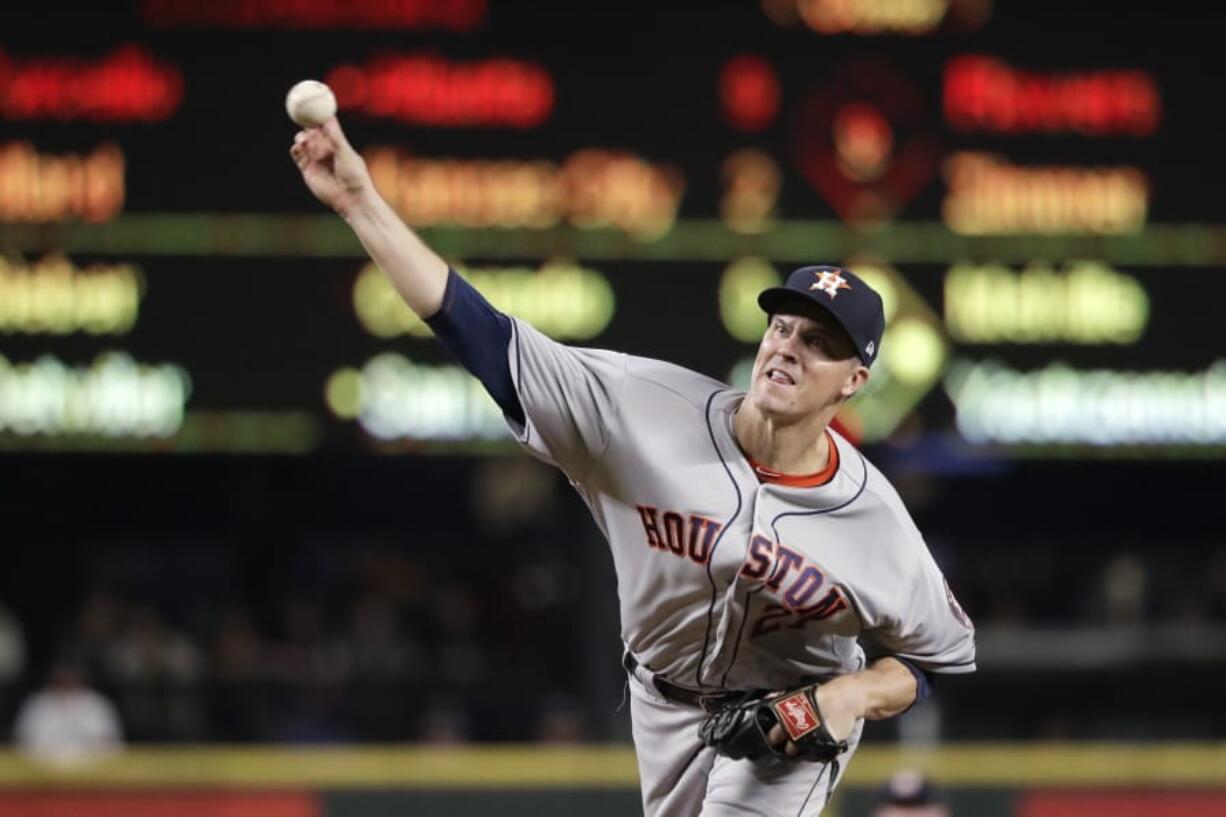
(759,557)
(830,604)
(798,582)
(788,561)
(804,588)
(651,527)
(693,537)
(702,538)
(774,617)
(674,532)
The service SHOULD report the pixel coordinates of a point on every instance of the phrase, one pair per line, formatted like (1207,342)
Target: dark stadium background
(418,591)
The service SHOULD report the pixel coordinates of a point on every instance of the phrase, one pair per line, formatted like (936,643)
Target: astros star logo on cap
(830,283)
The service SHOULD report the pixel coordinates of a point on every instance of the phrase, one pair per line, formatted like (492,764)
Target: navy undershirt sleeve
(477,336)
(923,680)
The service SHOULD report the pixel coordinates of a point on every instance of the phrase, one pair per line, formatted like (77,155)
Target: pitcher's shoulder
(878,493)
(650,375)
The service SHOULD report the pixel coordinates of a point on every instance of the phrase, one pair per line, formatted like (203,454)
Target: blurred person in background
(66,722)
(156,672)
(12,658)
(910,794)
(12,649)
(561,720)
(445,722)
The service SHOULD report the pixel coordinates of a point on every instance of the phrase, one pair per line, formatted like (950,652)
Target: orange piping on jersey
(823,476)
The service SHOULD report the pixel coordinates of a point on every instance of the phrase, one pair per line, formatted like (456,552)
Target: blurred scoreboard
(1032,186)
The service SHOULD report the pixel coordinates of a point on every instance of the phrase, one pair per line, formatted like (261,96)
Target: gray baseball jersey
(724,581)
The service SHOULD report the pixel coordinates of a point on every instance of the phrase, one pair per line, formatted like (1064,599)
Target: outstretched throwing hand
(331,168)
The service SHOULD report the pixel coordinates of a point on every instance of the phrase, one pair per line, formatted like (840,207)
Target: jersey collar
(844,481)
(814,480)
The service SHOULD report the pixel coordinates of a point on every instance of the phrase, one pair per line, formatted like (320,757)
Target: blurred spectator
(66,722)
(307,653)
(445,722)
(157,671)
(380,650)
(561,720)
(920,726)
(236,707)
(1215,580)
(97,629)
(1125,590)
(312,717)
(237,650)
(12,648)
(508,494)
(459,655)
(146,650)
(910,794)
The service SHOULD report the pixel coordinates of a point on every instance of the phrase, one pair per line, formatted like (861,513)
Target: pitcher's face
(805,364)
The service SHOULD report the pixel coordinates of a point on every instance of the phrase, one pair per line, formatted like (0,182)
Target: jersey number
(776,617)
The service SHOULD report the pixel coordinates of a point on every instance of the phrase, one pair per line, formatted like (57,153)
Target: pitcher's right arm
(338,177)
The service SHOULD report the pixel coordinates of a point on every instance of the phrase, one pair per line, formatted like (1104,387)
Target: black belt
(706,701)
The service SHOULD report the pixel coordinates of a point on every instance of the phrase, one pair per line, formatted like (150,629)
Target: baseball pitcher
(774,591)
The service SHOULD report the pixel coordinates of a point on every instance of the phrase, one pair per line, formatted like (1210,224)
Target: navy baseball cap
(854,304)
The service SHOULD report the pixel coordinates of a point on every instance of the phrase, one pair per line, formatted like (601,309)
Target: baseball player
(774,591)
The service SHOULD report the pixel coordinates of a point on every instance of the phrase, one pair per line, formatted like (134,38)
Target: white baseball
(310,103)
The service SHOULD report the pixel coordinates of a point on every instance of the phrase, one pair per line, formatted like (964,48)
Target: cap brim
(779,299)
(773,299)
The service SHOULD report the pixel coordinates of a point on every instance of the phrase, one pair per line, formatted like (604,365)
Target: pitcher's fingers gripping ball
(309,147)
(332,169)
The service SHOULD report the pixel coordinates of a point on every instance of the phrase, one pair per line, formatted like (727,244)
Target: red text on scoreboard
(428,90)
(127,85)
(985,94)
